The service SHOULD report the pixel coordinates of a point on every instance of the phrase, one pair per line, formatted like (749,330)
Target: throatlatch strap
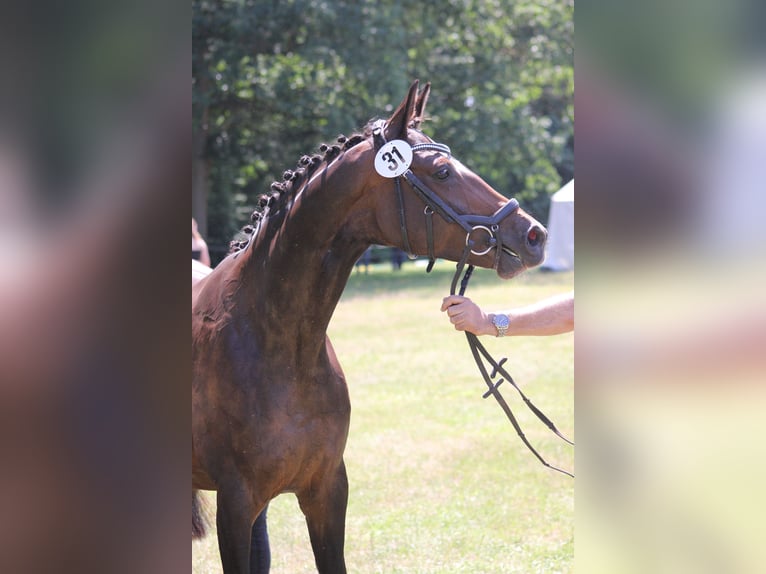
(429,213)
(403,220)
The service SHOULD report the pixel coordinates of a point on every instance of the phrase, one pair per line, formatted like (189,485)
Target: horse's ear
(420,106)
(396,126)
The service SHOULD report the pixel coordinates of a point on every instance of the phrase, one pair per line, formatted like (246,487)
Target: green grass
(439,481)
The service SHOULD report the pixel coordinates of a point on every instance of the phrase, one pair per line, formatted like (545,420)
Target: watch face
(501,321)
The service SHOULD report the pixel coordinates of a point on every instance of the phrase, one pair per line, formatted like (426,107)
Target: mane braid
(291,181)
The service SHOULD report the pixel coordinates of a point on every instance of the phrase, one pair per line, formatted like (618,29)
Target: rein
(470,224)
(480,355)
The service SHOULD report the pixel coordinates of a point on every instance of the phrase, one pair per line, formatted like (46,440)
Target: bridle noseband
(470,224)
(435,204)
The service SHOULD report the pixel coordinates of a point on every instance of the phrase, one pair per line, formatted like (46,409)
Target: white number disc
(393,159)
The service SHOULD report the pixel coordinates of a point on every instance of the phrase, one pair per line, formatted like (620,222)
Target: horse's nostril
(535,235)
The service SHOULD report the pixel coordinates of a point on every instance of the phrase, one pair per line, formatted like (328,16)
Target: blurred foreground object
(94,148)
(671,309)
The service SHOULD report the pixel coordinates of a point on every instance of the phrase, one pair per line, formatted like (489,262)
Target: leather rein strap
(480,355)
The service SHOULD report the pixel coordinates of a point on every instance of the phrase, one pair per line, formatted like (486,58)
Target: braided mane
(307,166)
(293,179)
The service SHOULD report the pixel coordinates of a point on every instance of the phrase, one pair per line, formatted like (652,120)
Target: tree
(272,80)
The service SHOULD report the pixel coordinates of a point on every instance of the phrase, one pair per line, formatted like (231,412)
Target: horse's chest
(276,417)
(293,440)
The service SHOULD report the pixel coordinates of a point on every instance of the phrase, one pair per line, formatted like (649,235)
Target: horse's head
(431,204)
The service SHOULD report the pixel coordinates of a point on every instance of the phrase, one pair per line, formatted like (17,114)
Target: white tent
(559,253)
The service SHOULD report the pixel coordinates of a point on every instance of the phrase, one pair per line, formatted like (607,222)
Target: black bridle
(470,224)
(434,204)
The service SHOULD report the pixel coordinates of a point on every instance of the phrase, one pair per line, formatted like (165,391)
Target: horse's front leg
(324,505)
(234,521)
(260,550)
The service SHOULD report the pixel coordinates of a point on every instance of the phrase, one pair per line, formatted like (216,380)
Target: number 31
(392,163)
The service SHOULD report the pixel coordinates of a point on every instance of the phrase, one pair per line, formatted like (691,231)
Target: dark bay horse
(270,405)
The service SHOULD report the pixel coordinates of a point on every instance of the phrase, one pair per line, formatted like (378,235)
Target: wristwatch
(500,321)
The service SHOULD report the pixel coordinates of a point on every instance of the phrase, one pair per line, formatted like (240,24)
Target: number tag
(393,159)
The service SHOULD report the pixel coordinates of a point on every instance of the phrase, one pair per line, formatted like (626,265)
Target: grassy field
(439,481)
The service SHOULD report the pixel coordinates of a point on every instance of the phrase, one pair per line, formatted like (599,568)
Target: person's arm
(550,316)
(204,256)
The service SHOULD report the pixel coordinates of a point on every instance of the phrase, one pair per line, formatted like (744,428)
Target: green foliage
(272,80)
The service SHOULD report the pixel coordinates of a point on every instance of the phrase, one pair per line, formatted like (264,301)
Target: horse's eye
(443,173)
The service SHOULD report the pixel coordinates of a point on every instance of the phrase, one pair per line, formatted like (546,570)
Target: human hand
(466,315)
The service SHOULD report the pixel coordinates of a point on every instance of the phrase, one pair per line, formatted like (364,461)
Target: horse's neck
(297,266)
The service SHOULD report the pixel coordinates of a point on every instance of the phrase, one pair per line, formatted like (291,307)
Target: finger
(455,311)
(450,300)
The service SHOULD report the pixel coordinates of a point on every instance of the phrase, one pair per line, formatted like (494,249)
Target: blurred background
(671,311)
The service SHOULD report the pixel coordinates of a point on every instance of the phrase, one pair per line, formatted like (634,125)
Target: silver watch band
(501,324)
